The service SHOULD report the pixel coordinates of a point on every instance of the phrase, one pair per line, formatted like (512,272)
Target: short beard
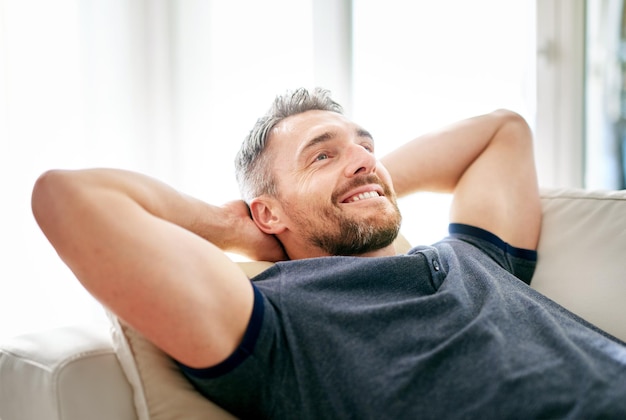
(356,238)
(353,237)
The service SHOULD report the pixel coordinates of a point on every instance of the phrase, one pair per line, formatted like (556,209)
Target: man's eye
(322,156)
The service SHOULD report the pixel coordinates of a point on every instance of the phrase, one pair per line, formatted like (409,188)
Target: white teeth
(362,196)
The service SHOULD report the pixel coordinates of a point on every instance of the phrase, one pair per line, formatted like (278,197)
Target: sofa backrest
(582,255)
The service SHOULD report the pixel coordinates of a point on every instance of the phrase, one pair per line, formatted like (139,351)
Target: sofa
(108,371)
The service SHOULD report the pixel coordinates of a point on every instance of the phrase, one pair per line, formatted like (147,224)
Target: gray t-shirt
(448,331)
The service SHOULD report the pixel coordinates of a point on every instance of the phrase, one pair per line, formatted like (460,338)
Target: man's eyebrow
(329,135)
(324,137)
(364,133)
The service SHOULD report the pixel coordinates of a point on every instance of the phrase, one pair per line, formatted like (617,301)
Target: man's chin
(357,238)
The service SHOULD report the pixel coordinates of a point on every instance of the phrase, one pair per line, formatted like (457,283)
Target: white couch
(109,372)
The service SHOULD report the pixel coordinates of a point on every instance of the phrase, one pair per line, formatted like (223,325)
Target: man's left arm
(487,162)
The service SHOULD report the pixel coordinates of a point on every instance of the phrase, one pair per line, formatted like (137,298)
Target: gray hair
(252,168)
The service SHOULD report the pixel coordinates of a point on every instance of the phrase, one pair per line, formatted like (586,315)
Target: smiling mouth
(362,196)
(360,189)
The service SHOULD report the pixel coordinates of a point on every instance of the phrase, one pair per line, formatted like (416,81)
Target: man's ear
(266,214)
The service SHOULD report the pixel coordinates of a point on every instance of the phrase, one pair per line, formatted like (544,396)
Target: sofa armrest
(68,373)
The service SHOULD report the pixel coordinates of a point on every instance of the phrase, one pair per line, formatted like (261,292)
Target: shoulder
(470,245)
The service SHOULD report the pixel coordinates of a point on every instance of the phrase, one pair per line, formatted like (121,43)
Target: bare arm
(155,256)
(487,162)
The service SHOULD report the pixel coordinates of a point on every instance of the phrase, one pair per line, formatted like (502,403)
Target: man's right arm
(155,257)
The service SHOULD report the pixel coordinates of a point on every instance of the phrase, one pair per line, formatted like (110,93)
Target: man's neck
(303,252)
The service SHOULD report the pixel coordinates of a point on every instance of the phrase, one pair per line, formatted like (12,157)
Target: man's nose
(360,161)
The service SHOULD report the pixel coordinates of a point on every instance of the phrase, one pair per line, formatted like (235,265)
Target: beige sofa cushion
(64,374)
(581,265)
(160,391)
(582,255)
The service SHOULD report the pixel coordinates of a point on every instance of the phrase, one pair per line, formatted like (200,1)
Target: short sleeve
(518,261)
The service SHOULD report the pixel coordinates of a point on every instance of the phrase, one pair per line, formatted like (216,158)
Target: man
(451,330)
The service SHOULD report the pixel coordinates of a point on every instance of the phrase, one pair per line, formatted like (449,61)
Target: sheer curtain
(169,88)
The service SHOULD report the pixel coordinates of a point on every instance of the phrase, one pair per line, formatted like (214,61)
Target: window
(605,98)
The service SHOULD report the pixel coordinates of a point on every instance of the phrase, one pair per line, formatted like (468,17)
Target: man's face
(333,192)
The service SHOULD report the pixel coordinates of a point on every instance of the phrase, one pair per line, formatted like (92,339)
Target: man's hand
(248,239)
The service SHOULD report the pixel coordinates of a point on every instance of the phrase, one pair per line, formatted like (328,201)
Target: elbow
(513,119)
(514,128)
(41,193)
(47,196)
